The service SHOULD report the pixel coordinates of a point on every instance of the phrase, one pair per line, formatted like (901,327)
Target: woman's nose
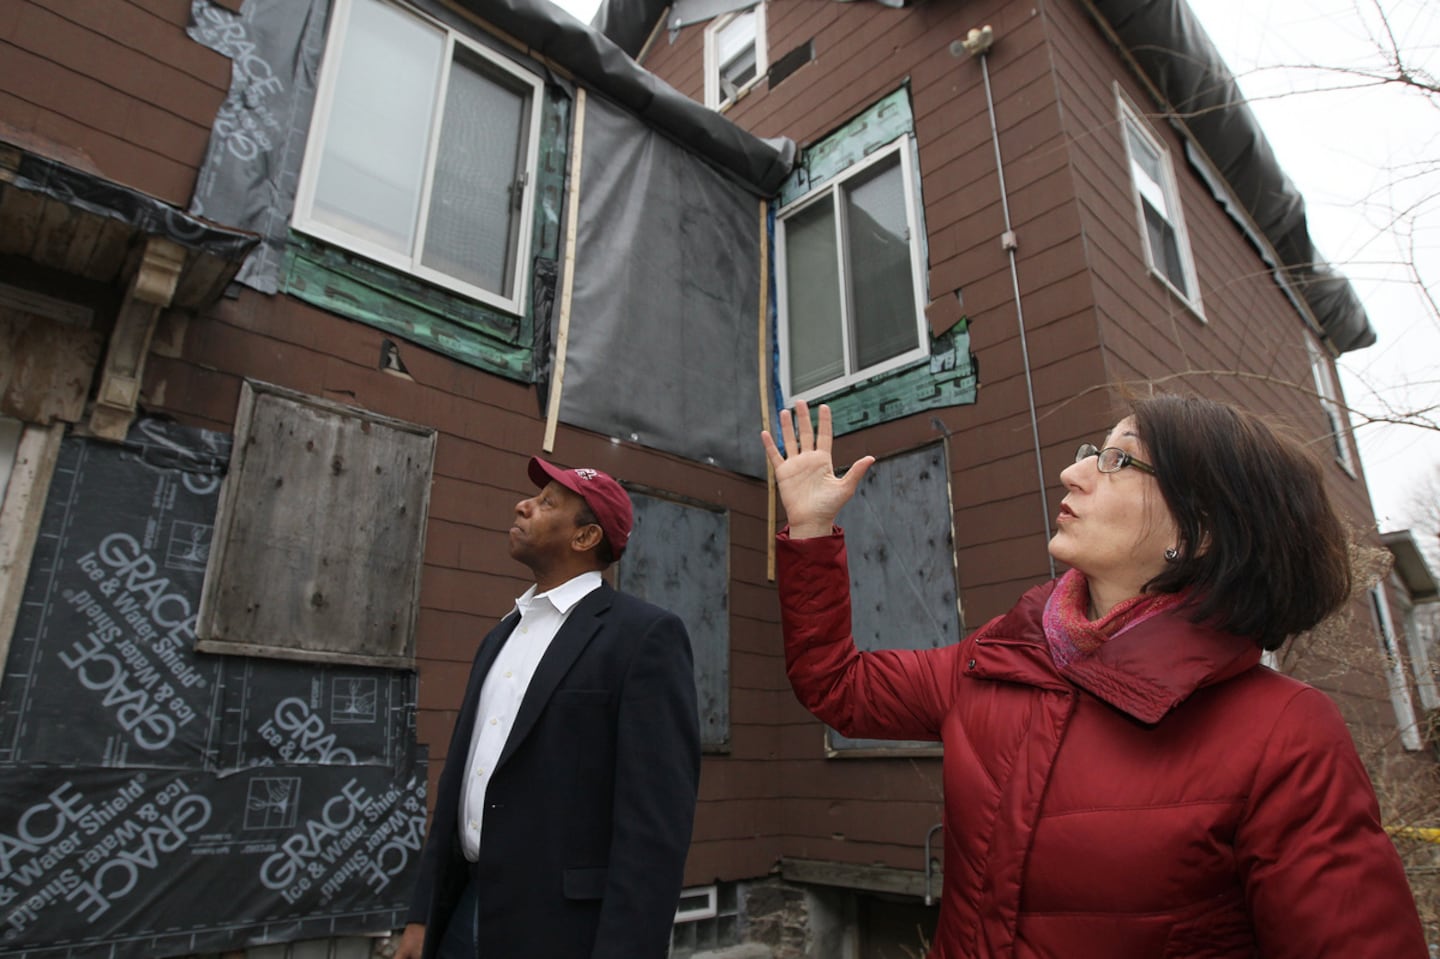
(1075,472)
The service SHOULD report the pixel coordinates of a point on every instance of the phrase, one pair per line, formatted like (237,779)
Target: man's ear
(586,537)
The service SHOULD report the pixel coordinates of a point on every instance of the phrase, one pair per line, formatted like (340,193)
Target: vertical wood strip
(764,371)
(567,287)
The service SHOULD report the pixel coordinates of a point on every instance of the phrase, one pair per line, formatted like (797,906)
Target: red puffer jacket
(1166,797)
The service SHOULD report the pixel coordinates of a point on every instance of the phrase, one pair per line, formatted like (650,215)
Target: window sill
(1192,307)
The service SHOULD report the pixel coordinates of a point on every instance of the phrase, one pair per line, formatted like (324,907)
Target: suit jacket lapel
(580,627)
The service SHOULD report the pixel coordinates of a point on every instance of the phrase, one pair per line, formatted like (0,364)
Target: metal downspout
(977,44)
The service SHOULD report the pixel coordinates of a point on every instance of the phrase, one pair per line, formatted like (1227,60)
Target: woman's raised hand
(809,489)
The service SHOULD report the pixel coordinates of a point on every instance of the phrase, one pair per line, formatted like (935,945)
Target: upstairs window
(734,55)
(1162,226)
(1329,393)
(1399,684)
(422,153)
(849,277)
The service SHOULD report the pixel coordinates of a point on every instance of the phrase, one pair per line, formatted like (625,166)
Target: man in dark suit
(564,809)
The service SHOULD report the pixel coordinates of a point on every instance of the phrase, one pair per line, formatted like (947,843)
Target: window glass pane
(882,289)
(1164,248)
(373,163)
(812,297)
(1144,155)
(735,36)
(473,218)
(739,71)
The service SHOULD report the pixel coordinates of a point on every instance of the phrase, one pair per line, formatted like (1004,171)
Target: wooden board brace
(766,413)
(567,286)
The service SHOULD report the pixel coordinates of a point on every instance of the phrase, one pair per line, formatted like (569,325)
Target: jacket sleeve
(1321,876)
(657,776)
(886,694)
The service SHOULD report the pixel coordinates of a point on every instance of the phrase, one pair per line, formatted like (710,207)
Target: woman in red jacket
(1122,778)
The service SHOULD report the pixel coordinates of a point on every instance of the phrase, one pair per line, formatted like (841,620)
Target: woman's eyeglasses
(1111,459)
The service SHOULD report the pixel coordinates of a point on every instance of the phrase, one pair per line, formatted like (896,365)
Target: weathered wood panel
(319,535)
(46,365)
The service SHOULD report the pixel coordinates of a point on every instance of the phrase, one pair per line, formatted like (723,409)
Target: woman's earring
(1171,554)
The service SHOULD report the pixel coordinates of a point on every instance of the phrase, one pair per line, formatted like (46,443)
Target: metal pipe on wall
(977,44)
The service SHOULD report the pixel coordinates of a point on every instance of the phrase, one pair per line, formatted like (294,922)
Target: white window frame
(1398,682)
(1417,641)
(715,98)
(310,170)
(1323,371)
(1130,119)
(696,903)
(913,221)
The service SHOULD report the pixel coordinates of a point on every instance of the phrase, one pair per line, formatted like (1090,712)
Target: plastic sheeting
(687,13)
(1172,48)
(1174,51)
(158,801)
(664,328)
(601,65)
(628,23)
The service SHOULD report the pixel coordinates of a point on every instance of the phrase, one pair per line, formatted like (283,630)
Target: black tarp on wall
(158,801)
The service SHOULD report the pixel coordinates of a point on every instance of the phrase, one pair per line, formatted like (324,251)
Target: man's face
(544,527)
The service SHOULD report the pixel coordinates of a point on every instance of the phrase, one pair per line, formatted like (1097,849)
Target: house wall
(122,83)
(1249,348)
(488,427)
(1093,314)
(118,84)
(880,810)
(120,89)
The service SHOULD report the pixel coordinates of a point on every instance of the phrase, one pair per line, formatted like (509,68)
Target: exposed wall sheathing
(142,776)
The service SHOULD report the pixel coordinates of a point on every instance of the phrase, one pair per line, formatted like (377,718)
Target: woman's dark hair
(1261,546)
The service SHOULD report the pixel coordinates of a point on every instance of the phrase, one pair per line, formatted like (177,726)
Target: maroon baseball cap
(605,497)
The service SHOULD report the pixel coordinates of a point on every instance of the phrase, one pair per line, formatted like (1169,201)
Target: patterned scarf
(1073,635)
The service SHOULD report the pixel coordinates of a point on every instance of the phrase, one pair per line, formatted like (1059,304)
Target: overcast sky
(1360,157)
(1354,153)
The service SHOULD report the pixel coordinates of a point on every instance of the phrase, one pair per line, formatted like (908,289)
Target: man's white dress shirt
(541,616)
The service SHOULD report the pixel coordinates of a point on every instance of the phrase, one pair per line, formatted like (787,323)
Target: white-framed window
(1328,390)
(850,276)
(1419,634)
(699,902)
(422,153)
(1395,668)
(1157,207)
(734,55)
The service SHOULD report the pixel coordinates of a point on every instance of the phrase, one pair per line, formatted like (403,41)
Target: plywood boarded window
(899,532)
(678,558)
(320,533)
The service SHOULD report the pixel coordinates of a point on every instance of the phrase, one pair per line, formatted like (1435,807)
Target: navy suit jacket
(589,810)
